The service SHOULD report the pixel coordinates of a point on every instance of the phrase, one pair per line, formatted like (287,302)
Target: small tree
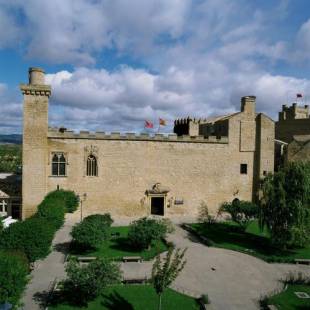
(286,205)
(204,216)
(166,271)
(144,231)
(241,212)
(85,283)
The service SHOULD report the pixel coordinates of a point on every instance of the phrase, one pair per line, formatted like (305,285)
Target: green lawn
(252,241)
(136,297)
(287,300)
(117,247)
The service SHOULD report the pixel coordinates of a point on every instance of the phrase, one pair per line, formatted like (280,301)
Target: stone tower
(35,128)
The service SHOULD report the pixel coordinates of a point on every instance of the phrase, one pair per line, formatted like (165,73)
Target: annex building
(211,160)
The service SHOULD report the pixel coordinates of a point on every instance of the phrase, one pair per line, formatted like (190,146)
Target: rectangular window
(244,169)
(59,164)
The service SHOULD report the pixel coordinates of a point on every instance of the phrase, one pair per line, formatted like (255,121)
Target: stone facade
(137,175)
(293,120)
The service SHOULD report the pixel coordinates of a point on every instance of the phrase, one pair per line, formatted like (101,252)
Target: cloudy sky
(114,63)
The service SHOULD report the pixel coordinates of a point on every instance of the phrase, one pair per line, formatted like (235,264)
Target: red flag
(148,124)
(162,122)
(299,95)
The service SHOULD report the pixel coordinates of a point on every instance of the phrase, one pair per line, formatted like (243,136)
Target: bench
(135,281)
(132,259)
(304,261)
(86,259)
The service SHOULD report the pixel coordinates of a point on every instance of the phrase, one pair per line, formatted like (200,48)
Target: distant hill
(14,138)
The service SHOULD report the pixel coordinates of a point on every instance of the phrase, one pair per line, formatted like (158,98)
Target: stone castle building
(293,134)
(211,160)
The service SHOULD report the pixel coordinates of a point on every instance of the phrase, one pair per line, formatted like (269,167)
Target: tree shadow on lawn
(234,237)
(114,301)
(76,248)
(122,244)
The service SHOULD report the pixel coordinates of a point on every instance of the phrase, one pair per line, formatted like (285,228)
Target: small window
(92,167)
(59,164)
(264,173)
(244,169)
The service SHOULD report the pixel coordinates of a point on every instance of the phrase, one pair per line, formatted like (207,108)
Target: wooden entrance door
(157,205)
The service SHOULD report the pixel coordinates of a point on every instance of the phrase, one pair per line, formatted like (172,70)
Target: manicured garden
(117,246)
(253,241)
(135,297)
(288,300)
(95,237)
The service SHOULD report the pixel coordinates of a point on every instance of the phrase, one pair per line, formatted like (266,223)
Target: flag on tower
(162,122)
(148,124)
(299,95)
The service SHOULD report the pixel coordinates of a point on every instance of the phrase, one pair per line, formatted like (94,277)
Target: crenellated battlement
(293,112)
(56,133)
(188,120)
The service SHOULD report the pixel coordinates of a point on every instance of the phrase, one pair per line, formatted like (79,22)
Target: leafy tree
(13,277)
(92,231)
(1,225)
(85,283)
(286,205)
(166,271)
(241,212)
(144,231)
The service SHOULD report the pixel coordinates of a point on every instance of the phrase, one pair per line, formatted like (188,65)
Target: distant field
(10,157)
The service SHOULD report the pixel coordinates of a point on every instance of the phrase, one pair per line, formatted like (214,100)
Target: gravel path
(232,280)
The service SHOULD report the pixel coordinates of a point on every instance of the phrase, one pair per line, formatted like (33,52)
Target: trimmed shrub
(102,219)
(85,283)
(13,279)
(32,236)
(144,231)
(53,211)
(92,231)
(69,198)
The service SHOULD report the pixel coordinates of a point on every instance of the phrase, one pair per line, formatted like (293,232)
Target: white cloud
(199,57)
(122,100)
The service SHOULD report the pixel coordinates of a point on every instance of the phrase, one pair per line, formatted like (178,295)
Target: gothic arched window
(91,167)
(59,164)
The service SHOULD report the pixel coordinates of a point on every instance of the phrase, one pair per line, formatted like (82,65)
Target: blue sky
(113,64)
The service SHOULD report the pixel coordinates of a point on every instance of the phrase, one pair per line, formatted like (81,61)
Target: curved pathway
(232,280)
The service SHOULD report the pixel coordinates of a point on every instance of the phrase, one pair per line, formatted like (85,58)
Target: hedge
(34,235)
(13,276)
(53,211)
(69,198)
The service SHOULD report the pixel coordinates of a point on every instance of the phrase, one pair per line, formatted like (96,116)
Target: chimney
(248,104)
(36,76)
